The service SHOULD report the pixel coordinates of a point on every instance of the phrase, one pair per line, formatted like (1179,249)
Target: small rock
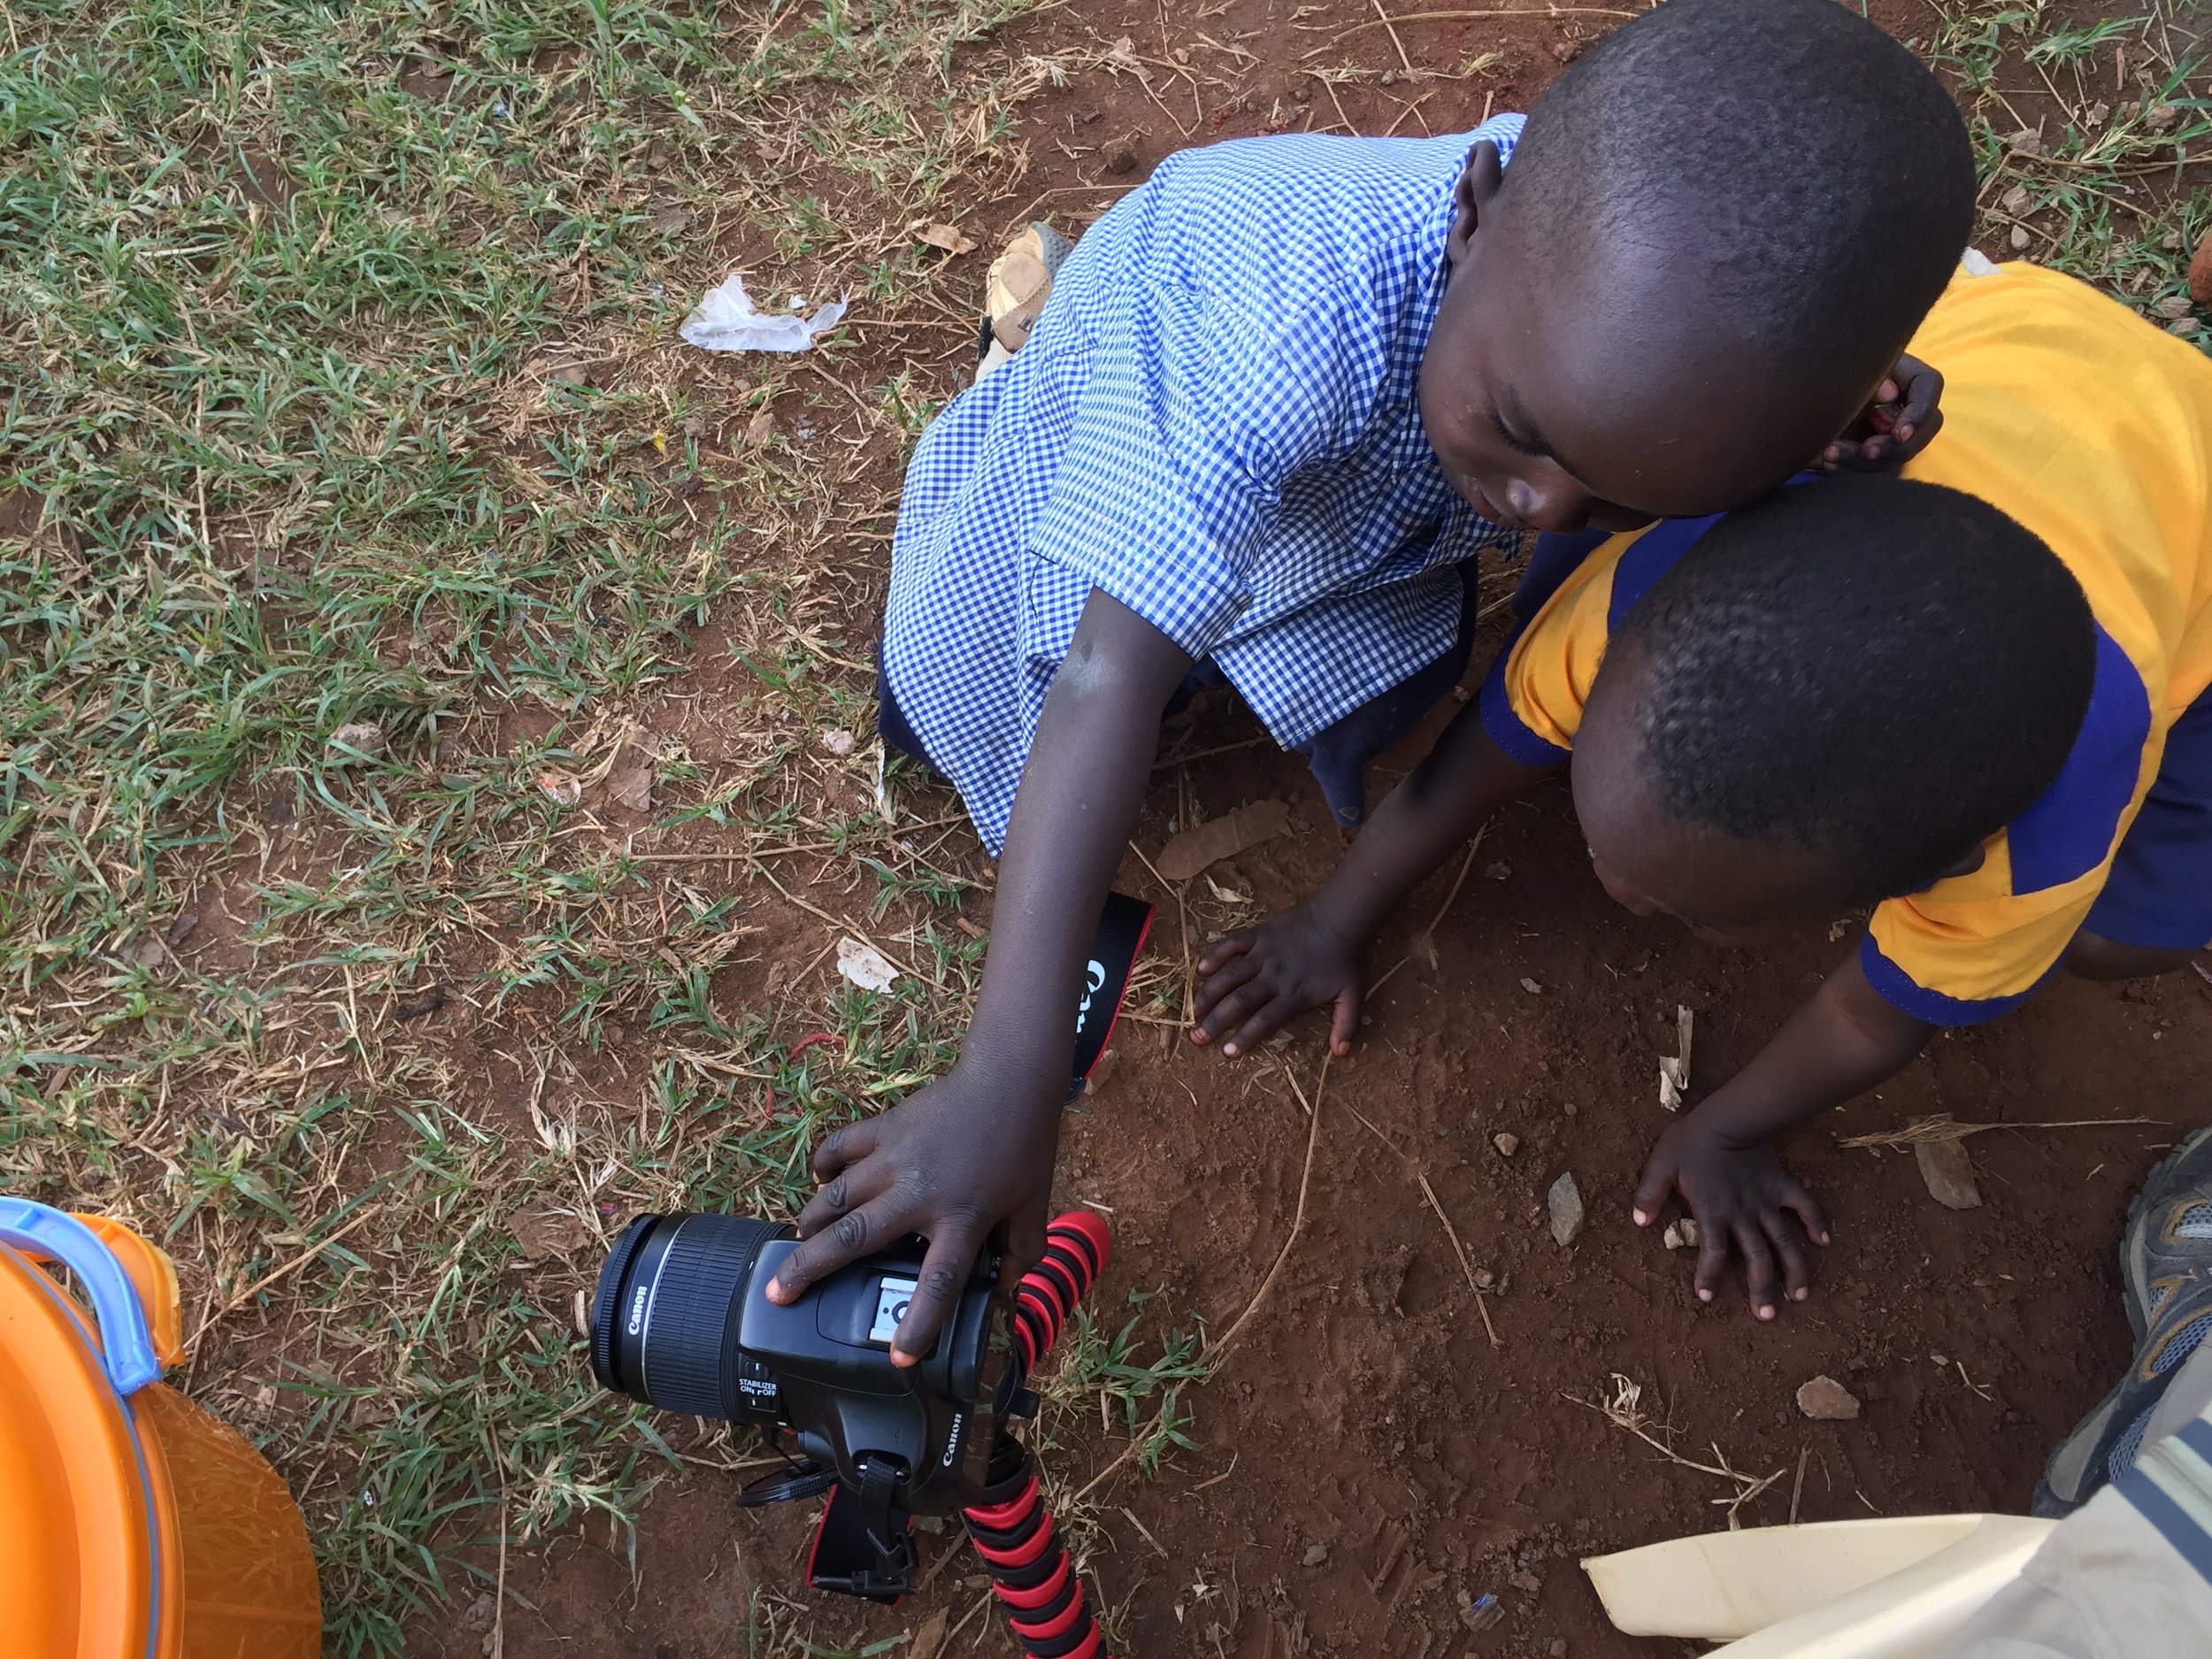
(1302,92)
(2160,117)
(2020,239)
(673,221)
(1680,1235)
(1531,988)
(838,742)
(2027,141)
(1316,1553)
(1485,1279)
(1824,1400)
(759,429)
(2174,305)
(1506,1144)
(1526,1582)
(1949,1172)
(2200,272)
(2015,200)
(365,739)
(1558,1648)
(479,1614)
(1496,872)
(2097,114)
(1564,1203)
(1120,155)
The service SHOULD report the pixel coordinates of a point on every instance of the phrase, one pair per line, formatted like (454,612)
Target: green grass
(290,442)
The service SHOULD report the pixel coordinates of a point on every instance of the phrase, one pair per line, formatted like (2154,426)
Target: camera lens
(664,1322)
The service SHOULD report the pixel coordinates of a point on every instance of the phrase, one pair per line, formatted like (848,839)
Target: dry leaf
(1224,837)
(561,787)
(631,782)
(1674,1069)
(947,237)
(864,965)
(758,428)
(548,1231)
(838,742)
(363,739)
(1948,1169)
(929,1641)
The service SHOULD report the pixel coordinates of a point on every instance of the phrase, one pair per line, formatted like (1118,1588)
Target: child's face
(1602,401)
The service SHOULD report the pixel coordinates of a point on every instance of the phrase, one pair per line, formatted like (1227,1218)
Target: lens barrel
(664,1322)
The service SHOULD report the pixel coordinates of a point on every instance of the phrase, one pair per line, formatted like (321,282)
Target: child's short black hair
(1811,172)
(1880,672)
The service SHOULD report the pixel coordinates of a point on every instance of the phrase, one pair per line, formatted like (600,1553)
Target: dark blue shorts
(2160,892)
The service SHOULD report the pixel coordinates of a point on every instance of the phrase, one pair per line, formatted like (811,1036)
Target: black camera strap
(863,1546)
(1122,927)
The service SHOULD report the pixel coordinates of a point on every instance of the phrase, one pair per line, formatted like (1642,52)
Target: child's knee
(2094,957)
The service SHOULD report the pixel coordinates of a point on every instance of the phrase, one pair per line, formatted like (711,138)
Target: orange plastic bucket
(132,1525)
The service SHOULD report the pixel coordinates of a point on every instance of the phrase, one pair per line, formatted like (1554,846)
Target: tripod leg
(1031,1573)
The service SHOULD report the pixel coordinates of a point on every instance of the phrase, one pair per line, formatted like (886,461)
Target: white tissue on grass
(864,965)
(725,320)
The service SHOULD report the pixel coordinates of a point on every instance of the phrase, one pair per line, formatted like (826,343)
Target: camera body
(682,1319)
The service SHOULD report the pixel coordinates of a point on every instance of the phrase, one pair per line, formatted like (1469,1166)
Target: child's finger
(937,1287)
(1345,1026)
(1231,999)
(845,1148)
(1797,1279)
(1262,1025)
(847,1190)
(1235,945)
(1712,1260)
(1795,1199)
(1652,1190)
(1758,1261)
(851,1237)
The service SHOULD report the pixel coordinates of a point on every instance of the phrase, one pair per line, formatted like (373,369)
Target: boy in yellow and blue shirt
(1974,696)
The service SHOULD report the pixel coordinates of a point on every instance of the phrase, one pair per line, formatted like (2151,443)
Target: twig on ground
(1625,1410)
(1943,1126)
(1427,935)
(1213,1350)
(285,1271)
(1482,1302)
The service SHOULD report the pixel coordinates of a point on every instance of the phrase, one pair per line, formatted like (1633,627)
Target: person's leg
(2128,1569)
(2155,912)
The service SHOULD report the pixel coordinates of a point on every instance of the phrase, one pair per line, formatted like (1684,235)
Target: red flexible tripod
(1029,1567)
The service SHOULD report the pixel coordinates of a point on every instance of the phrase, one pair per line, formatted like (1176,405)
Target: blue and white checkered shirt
(1214,421)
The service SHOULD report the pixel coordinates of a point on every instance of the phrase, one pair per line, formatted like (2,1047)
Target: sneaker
(2166,1274)
(1015,295)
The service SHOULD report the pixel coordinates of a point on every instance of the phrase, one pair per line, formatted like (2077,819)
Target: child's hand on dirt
(1736,1194)
(1265,975)
(951,1161)
(1897,426)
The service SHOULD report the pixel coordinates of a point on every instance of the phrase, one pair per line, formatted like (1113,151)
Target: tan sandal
(1014,295)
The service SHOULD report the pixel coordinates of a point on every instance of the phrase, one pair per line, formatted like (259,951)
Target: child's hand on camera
(953,1162)
(1258,979)
(1736,1195)
(1896,427)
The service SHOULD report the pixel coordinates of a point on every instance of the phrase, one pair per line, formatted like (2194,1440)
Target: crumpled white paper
(725,320)
(864,965)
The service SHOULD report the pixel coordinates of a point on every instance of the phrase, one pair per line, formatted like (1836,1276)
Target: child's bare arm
(1721,1157)
(975,1149)
(1314,953)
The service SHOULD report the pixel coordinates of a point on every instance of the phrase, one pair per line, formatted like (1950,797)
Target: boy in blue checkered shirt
(1280,398)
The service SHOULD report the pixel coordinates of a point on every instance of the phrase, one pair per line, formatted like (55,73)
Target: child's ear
(1471,197)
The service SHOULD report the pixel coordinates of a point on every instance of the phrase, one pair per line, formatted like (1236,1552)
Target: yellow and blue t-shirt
(2092,428)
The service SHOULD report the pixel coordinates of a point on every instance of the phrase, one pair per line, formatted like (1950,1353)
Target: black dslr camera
(682,1321)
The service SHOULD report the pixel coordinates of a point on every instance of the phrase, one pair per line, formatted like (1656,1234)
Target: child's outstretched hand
(1894,428)
(1737,1193)
(1264,976)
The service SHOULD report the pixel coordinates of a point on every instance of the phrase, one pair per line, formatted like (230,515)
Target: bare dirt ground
(1367,1455)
